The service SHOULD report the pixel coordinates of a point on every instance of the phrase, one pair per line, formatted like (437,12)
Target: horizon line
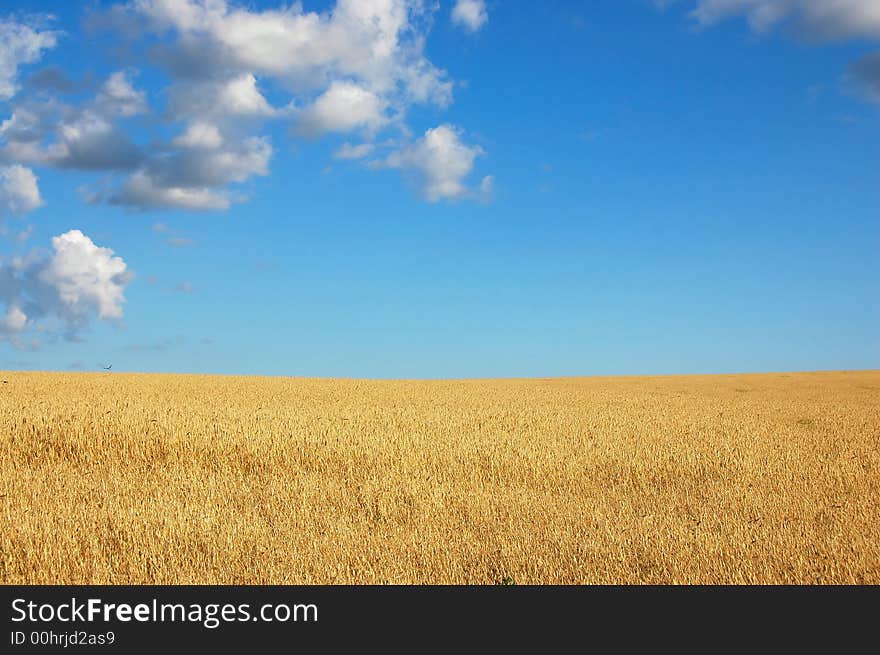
(442,379)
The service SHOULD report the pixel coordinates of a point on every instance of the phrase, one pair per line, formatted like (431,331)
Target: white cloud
(191,171)
(14,321)
(236,162)
(237,96)
(377,43)
(119,97)
(20,44)
(348,151)
(200,135)
(355,67)
(441,162)
(25,125)
(240,96)
(141,191)
(195,176)
(19,192)
(63,290)
(816,19)
(89,141)
(342,108)
(86,277)
(470,14)
(84,138)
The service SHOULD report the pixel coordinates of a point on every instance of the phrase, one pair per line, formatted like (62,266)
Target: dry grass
(112,478)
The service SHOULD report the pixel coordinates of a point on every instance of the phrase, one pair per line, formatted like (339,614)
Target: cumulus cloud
(440,161)
(342,108)
(142,192)
(118,97)
(85,276)
(470,14)
(66,288)
(26,124)
(87,138)
(237,96)
(20,44)
(193,171)
(815,19)
(212,166)
(199,135)
(19,192)
(377,42)
(88,141)
(356,67)
(194,177)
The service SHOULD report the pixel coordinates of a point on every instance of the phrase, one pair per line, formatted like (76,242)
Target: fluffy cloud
(19,193)
(118,97)
(212,167)
(470,14)
(440,161)
(356,67)
(88,141)
(20,44)
(199,135)
(82,138)
(75,283)
(86,277)
(817,19)
(194,176)
(377,42)
(237,96)
(14,321)
(142,192)
(342,108)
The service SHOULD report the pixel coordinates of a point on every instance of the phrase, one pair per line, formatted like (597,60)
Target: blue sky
(562,188)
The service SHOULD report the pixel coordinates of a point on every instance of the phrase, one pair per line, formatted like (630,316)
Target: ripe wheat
(116,478)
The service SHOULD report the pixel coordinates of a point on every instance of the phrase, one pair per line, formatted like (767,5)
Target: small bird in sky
(108,367)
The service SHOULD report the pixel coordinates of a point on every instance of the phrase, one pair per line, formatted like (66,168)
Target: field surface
(117,478)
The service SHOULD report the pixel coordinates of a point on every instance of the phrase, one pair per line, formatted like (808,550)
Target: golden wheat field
(118,478)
